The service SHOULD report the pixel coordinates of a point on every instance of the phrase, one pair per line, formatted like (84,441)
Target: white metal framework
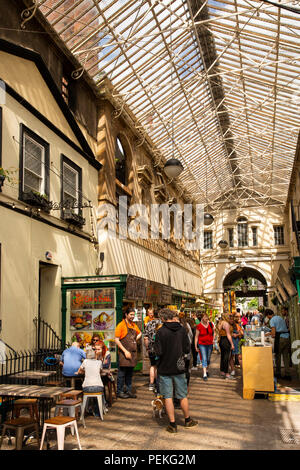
(216,83)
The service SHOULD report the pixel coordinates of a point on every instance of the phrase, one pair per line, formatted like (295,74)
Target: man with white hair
(71,359)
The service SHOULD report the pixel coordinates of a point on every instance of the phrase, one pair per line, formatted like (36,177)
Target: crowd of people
(177,344)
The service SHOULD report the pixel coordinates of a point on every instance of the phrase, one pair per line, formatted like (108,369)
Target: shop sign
(92,298)
(166,295)
(135,288)
(153,292)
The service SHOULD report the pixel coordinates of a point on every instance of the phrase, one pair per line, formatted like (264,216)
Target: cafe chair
(68,408)
(86,396)
(72,394)
(29,404)
(20,425)
(60,423)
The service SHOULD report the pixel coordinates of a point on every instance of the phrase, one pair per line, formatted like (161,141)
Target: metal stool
(69,407)
(19,425)
(86,396)
(60,423)
(30,404)
(72,394)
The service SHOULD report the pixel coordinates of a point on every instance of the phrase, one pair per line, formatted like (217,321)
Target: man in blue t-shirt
(71,359)
(280,332)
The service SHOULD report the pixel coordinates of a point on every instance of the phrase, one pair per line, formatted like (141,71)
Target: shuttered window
(34,166)
(71,186)
(278,235)
(34,163)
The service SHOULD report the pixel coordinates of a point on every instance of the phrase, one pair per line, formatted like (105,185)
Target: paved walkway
(226,421)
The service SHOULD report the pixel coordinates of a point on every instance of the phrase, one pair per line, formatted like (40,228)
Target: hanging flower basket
(73,218)
(37,200)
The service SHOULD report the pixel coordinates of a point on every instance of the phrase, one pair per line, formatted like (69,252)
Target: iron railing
(12,363)
(46,338)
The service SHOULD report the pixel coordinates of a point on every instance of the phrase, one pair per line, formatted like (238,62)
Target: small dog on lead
(158,406)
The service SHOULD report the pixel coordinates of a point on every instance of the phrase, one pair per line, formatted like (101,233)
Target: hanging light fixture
(173,167)
(208,218)
(223,244)
(244,285)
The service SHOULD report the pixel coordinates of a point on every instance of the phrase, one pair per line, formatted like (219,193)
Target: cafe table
(32,375)
(45,395)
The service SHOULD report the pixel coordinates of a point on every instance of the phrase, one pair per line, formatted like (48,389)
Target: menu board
(166,295)
(135,288)
(92,311)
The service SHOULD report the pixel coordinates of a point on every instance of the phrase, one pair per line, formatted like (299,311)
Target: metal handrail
(46,337)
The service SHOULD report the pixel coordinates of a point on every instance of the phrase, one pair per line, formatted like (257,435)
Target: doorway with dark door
(49,318)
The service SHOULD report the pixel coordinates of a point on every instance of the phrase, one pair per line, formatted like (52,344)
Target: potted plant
(36,199)
(73,218)
(3,175)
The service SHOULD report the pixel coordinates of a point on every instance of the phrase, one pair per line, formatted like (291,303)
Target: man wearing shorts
(171,346)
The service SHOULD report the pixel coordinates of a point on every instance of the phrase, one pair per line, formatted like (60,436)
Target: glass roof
(213,83)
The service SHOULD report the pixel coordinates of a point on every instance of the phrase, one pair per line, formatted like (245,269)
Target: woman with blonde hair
(225,328)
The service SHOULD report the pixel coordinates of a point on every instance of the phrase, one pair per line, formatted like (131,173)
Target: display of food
(80,320)
(103,321)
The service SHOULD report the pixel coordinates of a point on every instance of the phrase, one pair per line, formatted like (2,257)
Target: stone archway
(246,272)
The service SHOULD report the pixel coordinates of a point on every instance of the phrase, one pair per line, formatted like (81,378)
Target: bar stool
(30,404)
(73,394)
(69,407)
(19,425)
(60,423)
(86,396)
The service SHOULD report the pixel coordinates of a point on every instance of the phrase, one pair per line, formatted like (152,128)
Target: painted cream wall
(125,257)
(24,77)
(265,257)
(24,241)
(15,114)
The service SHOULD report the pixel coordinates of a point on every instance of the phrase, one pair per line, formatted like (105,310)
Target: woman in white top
(91,368)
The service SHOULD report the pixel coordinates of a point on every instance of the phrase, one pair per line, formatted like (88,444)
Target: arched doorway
(241,280)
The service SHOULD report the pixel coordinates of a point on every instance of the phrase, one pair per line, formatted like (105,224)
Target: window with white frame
(71,185)
(278,235)
(34,163)
(207,240)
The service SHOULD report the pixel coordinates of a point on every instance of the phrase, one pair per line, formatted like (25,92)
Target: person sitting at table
(103,354)
(91,368)
(71,359)
(94,342)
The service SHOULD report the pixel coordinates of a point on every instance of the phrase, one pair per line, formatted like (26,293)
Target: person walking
(282,343)
(195,354)
(204,341)
(237,335)
(188,329)
(150,316)
(226,345)
(127,334)
(171,346)
(149,337)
